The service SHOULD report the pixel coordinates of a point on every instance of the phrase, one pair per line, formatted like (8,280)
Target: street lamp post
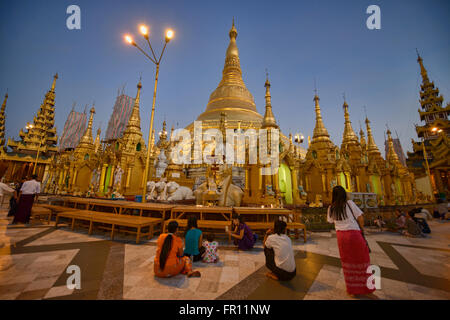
(169,35)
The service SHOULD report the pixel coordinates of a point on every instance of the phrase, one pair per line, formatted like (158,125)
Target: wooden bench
(269,225)
(37,212)
(202,224)
(114,220)
(54,209)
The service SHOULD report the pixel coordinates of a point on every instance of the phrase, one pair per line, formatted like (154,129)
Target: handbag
(362,232)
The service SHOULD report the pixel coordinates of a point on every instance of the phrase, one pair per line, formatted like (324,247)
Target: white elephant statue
(160,188)
(151,192)
(175,192)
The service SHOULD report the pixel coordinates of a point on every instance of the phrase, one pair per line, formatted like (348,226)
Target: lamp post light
(143,29)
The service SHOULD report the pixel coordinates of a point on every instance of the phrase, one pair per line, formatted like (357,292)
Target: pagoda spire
(231,95)
(269,119)
(86,140)
(362,139)
(320,132)
(371,145)
(54,82)
(392,155)
(134,122)
(349,134)
(423,71)
(97,141)
(2,121)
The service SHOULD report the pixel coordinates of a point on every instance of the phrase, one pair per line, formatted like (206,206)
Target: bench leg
(49,218)
(56,222)
(90,227)
(112,232)
(304,234)
(163,227)
(138,235)
(73,223)
(150,232)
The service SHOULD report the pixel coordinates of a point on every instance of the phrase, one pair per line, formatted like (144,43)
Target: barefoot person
(193,239)
(169,260)
(28,194)
(353,249)
(279,253)
(243,235)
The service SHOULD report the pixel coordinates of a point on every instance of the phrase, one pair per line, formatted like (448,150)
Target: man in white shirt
(279,253)
(28,193)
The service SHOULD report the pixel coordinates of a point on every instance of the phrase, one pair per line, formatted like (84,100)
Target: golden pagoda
(430,159)
(351,170)
(231,107)
(318,172)
(37,144)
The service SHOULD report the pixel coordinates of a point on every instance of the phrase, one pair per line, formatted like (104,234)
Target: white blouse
(349,223)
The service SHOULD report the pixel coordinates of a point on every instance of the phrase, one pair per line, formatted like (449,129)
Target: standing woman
(169,260)
(353,248)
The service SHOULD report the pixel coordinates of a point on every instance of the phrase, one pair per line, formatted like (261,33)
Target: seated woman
(193,240)
(279,253)
(169,260)
(243,235)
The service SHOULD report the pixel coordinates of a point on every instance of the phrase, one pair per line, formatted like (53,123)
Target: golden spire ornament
(269,119)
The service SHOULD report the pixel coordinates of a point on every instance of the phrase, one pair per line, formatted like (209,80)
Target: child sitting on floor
(210,255)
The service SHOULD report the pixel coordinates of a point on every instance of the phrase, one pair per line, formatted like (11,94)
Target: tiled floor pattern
(33,263)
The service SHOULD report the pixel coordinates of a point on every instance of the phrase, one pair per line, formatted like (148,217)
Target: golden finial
(269,118)
(233,31)
(349,134)
(54,82)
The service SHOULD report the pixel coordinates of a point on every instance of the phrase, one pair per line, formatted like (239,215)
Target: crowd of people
(175,256)
(176,252)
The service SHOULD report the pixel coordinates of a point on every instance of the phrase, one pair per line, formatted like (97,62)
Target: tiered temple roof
(435,133)
(41,134)
(2,122)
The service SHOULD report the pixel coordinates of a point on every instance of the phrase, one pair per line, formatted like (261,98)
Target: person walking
(353,248)
(27,195)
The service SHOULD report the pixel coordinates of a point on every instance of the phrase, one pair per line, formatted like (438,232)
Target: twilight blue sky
(296,40)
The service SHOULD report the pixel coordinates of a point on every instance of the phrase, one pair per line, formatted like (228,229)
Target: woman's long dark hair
(191,223)
(338,203)
(167,245)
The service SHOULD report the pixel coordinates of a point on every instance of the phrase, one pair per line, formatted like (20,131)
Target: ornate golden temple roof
(231,95)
